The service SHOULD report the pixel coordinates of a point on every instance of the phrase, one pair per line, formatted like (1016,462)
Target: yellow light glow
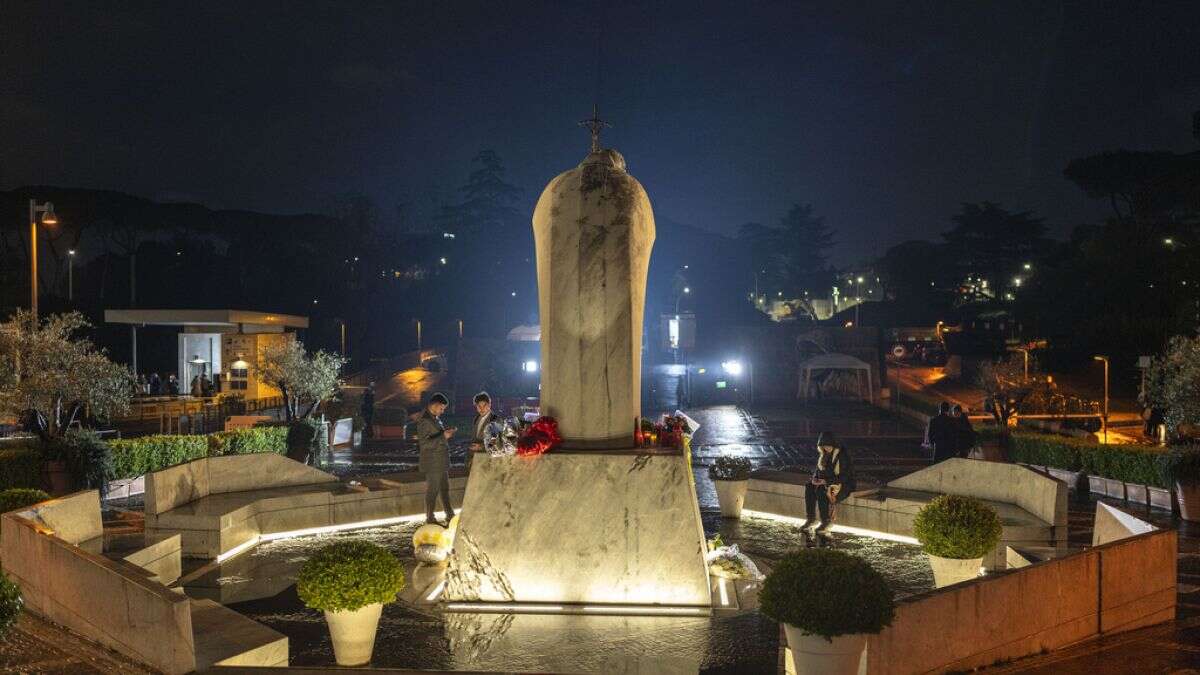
(724,592)
(436,592)
(845,529)
(276,536)
(616,610)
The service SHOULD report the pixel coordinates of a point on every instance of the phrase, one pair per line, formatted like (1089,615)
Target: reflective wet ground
(412,636)
(260,584)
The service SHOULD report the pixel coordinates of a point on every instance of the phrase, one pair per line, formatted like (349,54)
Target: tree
(792,255)
(1173,385)
(992,242)
(304,380)
(51,377)
(489,203)
(1140,186)
(1006,388)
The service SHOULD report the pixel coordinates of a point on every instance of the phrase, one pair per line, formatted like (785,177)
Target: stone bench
(220,505)
(1032,506)
(71,574)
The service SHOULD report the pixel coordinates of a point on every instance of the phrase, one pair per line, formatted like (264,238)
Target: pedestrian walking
(964,433)
(940,433)
(433,443)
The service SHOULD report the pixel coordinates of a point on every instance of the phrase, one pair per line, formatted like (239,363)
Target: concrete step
(225,638)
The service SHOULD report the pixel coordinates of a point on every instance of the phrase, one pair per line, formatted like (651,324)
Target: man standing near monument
(483,417)
(433,443)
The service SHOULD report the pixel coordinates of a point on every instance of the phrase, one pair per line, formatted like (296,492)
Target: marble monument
(597,521)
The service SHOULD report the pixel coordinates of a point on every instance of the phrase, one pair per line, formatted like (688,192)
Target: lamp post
(1104,420)
(47,218)
(686,291)
(71,275)
(1025,352)
(418,335)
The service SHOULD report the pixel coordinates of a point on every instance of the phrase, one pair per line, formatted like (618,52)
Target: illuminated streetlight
(1016,281)
(1104,360)
(442,259)
(48,218)
(70,275)
(1169,241)
(1027,266)
(860,280)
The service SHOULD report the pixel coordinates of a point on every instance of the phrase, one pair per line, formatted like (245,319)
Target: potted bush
(1181,467)
(11,604)
(730,475)
(829,602)
(351,581)
(956,532)
(90,460)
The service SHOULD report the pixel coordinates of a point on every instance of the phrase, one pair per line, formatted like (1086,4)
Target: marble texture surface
(583,527)
(593,229)
(1113,524)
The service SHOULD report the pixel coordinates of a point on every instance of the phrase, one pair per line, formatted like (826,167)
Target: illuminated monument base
(580,528)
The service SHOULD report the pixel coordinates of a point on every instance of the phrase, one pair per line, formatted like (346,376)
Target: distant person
(367,410)
(196,388)
(940,433)
(142,385)
(964,433)
(832,481)
(206,385)
(172,385)
(483,417)
(433,443)
(155,385)
(1154,418)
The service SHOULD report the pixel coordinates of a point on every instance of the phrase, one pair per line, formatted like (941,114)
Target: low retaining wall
(1108,589)
(113,603)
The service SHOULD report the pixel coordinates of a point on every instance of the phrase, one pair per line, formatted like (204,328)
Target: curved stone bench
(1032,506)
(222,505)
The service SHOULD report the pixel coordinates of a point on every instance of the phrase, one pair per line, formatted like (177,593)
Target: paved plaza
(772,437)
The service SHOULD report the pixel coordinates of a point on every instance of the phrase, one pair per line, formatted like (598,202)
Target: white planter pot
(947,571)
(813,654)
(1189,500)
(353,634)
(732,495)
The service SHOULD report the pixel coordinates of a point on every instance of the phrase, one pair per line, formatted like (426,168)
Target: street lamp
(1104,359)
(71,275)
(48,218)
(686,291)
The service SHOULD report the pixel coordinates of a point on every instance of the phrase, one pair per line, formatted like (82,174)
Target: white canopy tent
(836,362)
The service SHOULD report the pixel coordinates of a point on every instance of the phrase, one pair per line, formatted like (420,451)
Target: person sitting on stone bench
(832,481)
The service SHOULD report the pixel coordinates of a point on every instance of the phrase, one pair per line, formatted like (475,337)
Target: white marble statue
(594,229)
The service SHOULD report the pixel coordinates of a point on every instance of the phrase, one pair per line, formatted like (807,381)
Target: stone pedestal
(589,527)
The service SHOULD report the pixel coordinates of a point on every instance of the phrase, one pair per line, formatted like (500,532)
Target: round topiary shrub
(350,575)
(10,604)
(828,593)
(953,526)
(730,468)
(19,498)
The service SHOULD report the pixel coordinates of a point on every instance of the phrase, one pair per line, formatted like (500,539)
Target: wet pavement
(420,636)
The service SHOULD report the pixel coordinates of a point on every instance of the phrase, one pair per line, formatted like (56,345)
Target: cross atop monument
(595,124)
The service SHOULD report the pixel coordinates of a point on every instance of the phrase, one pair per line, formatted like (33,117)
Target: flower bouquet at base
(539,437)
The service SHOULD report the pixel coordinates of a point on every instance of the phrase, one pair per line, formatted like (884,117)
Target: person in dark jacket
(483,417)
(433,443)
(940,434)
(832,481)
(964,433)
(367,410)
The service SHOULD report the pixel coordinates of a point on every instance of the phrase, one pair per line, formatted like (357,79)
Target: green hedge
(20,467)
(1129,463)
(249,441)
(133,457)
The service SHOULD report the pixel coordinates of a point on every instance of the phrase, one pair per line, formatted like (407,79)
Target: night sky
(885,116)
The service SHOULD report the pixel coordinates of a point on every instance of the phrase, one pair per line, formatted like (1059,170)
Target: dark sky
(883,115)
